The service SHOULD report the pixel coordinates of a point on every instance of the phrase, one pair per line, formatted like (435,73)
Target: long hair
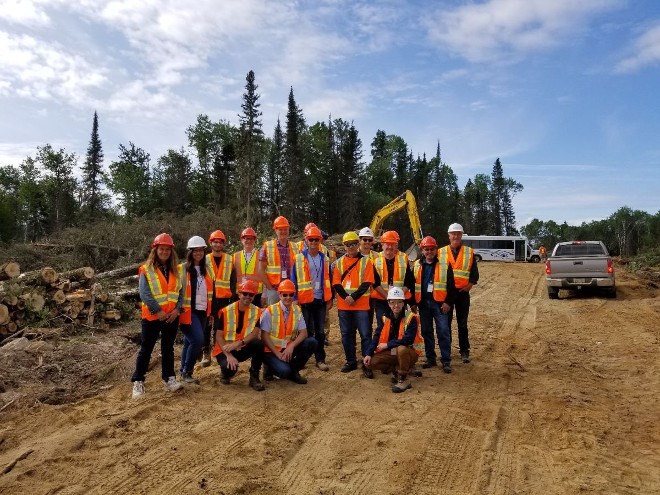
(172,262)
(190,264)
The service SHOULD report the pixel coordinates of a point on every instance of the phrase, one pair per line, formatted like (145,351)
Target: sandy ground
(561,398)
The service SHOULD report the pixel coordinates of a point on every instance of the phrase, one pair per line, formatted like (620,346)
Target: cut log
(45,276)
(4,314)
(12,326)
(128,293)
(34,301)
(75,309)
(81,274)
(119,272)
(82,295)
(10,269)
(10,300)
(111,315)
(62,284)
(57,296)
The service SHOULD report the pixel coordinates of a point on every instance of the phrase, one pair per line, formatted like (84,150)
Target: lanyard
(247,260)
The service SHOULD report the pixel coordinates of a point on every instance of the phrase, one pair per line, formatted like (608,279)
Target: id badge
(317,285)
(284,274)
(244,279)
(429,288)
(347,284)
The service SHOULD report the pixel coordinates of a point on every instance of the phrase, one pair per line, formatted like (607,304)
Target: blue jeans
(314,314)
(193,339)
(301,355)
(430,312)
(349,321)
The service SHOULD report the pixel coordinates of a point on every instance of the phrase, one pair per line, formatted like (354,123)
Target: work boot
(224,378)
(138,389)
(172,384)
(268,373)
(401,385)
(188,378)
(296,378)
(446,367)
(206,358)
(465,356)
(348,367)
(255,383)
(395,378)
(415,372)
(367,372)
(429,364)
(322,366)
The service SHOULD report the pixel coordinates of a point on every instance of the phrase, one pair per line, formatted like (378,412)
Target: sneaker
(188,379)
(367,372)
(401,386)
(446,367)
(206,359)
(255,383)
(322,366)
(172,384)
(465,356)
(138,389)
(429,364)
(296,378)
(348,367)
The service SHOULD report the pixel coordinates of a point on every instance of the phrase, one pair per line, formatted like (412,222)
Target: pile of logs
(76,296)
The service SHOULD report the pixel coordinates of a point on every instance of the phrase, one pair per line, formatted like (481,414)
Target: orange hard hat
(248,286)
(428,241)
(313,232)
(390,237)
(248,232)
(280,223)
(163,240)
(309,225)
(217,235)
(286,286)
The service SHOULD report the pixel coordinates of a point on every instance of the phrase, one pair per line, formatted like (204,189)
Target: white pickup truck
(579,265)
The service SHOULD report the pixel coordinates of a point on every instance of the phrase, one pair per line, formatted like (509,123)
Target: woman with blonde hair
(162,300)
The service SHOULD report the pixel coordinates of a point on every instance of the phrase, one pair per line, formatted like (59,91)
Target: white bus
(501,248)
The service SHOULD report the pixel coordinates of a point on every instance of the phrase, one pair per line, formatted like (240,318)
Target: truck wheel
(553,293)
(535,259)
(611,292)
(477,258)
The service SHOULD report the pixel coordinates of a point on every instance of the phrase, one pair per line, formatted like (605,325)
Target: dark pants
(254,350)
(193,338)
(462,305)
(301,355)
(314,314)
(349,321)
(380,308)
(209,337)
(430,313)
(150,332)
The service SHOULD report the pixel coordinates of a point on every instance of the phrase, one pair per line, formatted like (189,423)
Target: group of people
(270,305)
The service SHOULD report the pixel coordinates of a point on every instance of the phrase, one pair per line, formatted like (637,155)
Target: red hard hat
(428,241)
(390,237)
(163,240)
(248,286)
(249,232)
(313,232)
(280,223)
(217,234)
(286,286)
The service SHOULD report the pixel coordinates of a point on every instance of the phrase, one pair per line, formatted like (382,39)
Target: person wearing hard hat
(220,267)
(366,245)
(396,345)
(543,253)
(276,260)
(466,275)
(434,294)
(288,347)
(198,294)
(391,269)
(245,263)
(311,276)
(162,301)
(237,337)
(352,279)
(301,245)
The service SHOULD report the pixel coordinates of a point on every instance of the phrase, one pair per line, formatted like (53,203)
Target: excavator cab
(405,200)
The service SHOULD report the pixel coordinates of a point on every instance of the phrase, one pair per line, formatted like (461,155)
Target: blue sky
(565,92)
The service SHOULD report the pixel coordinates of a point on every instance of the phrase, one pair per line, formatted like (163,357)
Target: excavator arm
(405,200)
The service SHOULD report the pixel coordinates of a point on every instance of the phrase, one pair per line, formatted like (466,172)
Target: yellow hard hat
(349,237)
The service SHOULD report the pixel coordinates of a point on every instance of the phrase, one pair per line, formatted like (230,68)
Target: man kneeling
(395,347)
(284,334)
(236,339)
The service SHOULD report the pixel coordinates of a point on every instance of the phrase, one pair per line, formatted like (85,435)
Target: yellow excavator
(405,200)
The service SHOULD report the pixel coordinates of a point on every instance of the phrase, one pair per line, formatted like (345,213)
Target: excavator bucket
(413,252)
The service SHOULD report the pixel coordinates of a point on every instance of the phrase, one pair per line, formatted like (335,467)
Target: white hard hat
(396,293)
(366,232)
(196,242)
(455,227)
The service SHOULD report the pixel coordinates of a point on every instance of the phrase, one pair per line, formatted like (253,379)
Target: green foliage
(130,180)
(93,202)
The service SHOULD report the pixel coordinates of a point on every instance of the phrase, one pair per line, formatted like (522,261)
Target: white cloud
(24,12)
(501,29)
(646,51)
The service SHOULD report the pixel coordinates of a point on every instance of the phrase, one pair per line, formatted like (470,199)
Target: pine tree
(130,180)
(59,185)
(274,179)
(93,200)
(295,178)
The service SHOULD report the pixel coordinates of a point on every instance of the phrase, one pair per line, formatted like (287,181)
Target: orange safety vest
(400,265)
(186,313)
(283,331)
(165,292)
(439,279)
(418,342)
(273,263)
(231,332)
(221,276)
(461,265)
(363,271)
(304,279)
(247,270)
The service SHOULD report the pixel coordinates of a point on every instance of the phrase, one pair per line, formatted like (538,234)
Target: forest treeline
(316,172)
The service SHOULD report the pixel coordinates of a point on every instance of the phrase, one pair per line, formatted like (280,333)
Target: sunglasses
(364,239)
(351,244)
(314,240)
(286,294)
(247,294)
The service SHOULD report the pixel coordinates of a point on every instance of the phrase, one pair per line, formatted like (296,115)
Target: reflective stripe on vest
(304,279)
(418,342)
(273,262)
(165,292)
(400,265)
(222,276)
(461,265)
(344,262)
(230,316)
(282,332)
(247,270)
(439,279)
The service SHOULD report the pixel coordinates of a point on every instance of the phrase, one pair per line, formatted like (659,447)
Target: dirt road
(561,397)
